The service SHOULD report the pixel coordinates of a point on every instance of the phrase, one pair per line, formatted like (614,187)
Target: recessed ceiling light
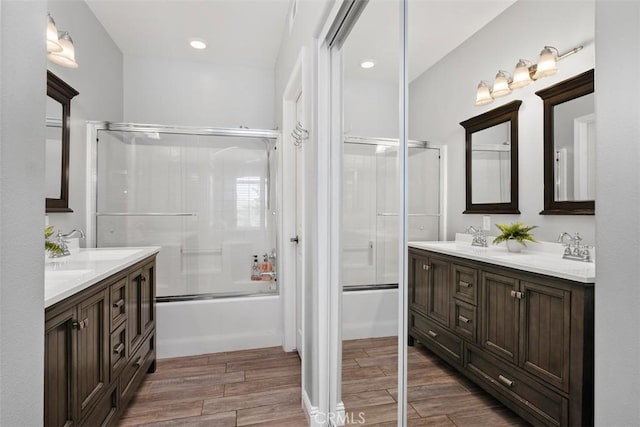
(198,44)
(369,63)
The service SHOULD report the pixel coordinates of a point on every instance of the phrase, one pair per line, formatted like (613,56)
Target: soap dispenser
(255,269)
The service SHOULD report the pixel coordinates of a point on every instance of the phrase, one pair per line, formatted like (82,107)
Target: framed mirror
(59,95)
(492,161)
(569,146)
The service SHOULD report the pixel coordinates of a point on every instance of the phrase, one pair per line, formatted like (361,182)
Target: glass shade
(66,58)
(546,64)
(52,36)
(501,85)
(521,76)
(483,95)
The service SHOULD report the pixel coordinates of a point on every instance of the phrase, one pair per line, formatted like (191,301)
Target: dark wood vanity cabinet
(91,365)
(525,338)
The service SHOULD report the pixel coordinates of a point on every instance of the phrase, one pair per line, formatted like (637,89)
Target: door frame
(287,266)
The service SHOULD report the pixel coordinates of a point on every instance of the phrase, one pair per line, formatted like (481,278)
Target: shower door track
(189,130)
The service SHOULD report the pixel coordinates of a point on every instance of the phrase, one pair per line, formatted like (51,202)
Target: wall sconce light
(60,48)
(524,74)
(52,36)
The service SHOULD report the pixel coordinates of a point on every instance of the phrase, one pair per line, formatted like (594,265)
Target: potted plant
(515,234)
(50,246)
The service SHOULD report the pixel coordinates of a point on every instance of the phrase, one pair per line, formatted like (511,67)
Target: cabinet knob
(118,303)
(432,334)
(464,319)
(426,267)
(464,284)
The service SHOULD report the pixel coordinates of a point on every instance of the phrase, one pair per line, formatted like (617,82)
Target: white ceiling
(436,27)
(248,32)
(239,32)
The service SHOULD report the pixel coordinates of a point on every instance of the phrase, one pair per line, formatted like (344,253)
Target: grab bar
(146,214)
(414,214)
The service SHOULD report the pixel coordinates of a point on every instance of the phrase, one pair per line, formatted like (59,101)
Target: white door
(299,191)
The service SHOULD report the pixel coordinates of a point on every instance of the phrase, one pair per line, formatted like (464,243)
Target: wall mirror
(59,95)
(492,160)
(569,146)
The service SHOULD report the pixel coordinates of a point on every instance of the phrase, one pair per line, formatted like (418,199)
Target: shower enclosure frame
(411,143)
(92,213)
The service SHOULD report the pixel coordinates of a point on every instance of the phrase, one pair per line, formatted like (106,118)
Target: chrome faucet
(61,240)
(573,248)
(479,238)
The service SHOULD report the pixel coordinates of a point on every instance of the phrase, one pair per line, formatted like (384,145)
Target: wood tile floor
(262,387)
(437,395)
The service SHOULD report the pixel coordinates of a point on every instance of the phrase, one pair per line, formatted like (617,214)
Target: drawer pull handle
(465,284)
(118,349)
(118,303)
(139,361)
(505,381)
(464,319)
(432,334)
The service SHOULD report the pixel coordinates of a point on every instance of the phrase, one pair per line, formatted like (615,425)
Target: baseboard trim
(340,416)
(194,345)
(310,411)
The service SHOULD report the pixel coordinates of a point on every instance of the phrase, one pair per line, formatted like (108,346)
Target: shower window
(203,199)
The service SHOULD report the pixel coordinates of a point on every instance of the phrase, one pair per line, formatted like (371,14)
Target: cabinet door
(545,322)
(499,316)
(418,278)
(93,350)
(148,296)
(438,286)
(134,309)
(59,377)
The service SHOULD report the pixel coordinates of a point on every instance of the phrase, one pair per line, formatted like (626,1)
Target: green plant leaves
(515,231)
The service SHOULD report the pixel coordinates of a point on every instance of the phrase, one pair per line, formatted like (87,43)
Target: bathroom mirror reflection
(492,160)
(491,170)
(569,146)
(53,149)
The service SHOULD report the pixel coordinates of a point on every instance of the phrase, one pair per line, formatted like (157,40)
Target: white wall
(170,92)
(617,343)
(22,135)
(99,81)
(444,96)
(370,106)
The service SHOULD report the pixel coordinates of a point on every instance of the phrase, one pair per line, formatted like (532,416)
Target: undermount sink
(59,275)
(101,255)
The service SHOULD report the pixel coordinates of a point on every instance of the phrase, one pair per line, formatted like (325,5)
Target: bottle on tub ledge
(255,269)
(266,267)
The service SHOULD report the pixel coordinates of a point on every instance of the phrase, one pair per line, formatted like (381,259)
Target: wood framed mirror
(569,146)
(491,141)
(59,95)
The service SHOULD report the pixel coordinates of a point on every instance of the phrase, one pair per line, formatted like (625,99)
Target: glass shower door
(204,200)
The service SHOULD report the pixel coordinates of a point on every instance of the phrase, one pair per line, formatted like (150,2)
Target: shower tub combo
(207,197)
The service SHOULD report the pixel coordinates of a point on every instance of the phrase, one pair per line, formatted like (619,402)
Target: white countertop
(542,258)
(66,276)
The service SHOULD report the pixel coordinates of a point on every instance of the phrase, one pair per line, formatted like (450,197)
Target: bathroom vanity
(518,325)
(99,333)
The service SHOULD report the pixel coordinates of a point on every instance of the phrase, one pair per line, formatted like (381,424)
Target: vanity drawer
(548,407)
(464,320)
(436,337)
(136,367)
(119,351)
(118,293)
(465,283)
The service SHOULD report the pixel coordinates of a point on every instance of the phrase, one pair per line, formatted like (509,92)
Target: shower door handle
(295,240)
